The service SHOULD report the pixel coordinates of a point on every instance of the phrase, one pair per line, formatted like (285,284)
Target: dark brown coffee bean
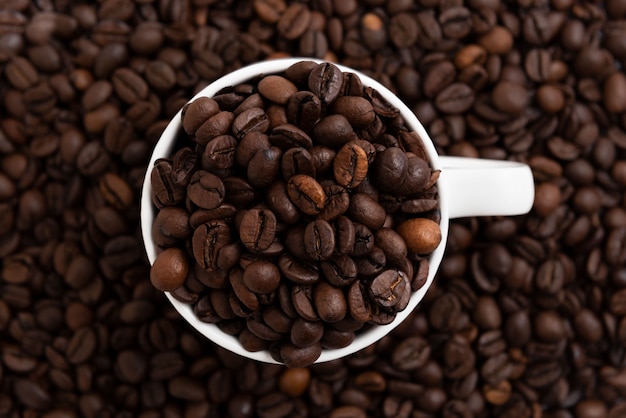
(357,110)
(366,210)
(297,271)
(297,161)
(208,239)
(257,229)
(81,346)
(330,302)
(241,294)
(363,240)
(286,136)
(411,354)
(261,277)
(293,356)
(389,288)
(333,130)
(195,113)
(403,30)
(319,240)
(250,120)
(129,86)
(278,200)
(239,193)
(206,190)
(21,73)
(305,333)
(219,153)
(325,81)
(294,21)
(303,109)
(345,235)
(303,303)
(456,98)
(339,270)
(214,126)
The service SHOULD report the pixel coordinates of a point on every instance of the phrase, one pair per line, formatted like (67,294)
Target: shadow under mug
(467,187)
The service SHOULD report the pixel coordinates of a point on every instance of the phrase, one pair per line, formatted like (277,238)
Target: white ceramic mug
(467,187)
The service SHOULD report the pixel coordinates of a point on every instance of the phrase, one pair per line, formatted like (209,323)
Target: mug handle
(481,187)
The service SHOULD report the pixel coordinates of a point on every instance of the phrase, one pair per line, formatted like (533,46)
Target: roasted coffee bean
(357,110)
(389,288)
(208,239)
(219,153)
(263,167)
(165,191)
(297,271)
(293,356)
(304,110)
(261,277)
(215,125)
(297,161)
(333,131)
(306,193)
(325,80)
(350,166)
(330,302)
(337,202)
(319,240)
(411,354)
(302,300)
(195,113)
(129,86)
(287,135)
(339,270)
(279,202)
(257,229)
(206,190)
(366,210)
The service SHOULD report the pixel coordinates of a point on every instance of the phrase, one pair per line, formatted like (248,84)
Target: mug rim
(164,147)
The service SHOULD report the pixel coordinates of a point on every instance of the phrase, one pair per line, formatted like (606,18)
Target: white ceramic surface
(467,187)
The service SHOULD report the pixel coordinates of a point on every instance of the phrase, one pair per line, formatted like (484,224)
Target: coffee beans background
(526,318)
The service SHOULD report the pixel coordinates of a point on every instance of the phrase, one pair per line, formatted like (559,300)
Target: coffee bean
(169,270)
(357,110)
(304,109)
(208,239)
(277,89)
(325,81)
(330,302)
(294,21)
(129,86)
(421,235)
(205,190)
(350,166)
(339,270)
(297,161)
(261,277)
(263,167)
(295,357)
(389,288)
(319,240)
(306,193)
(81,346)
(257,229)
(219,153)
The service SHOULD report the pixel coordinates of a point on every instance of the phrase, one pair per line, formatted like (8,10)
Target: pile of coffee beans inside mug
(297,209)
(527,316)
